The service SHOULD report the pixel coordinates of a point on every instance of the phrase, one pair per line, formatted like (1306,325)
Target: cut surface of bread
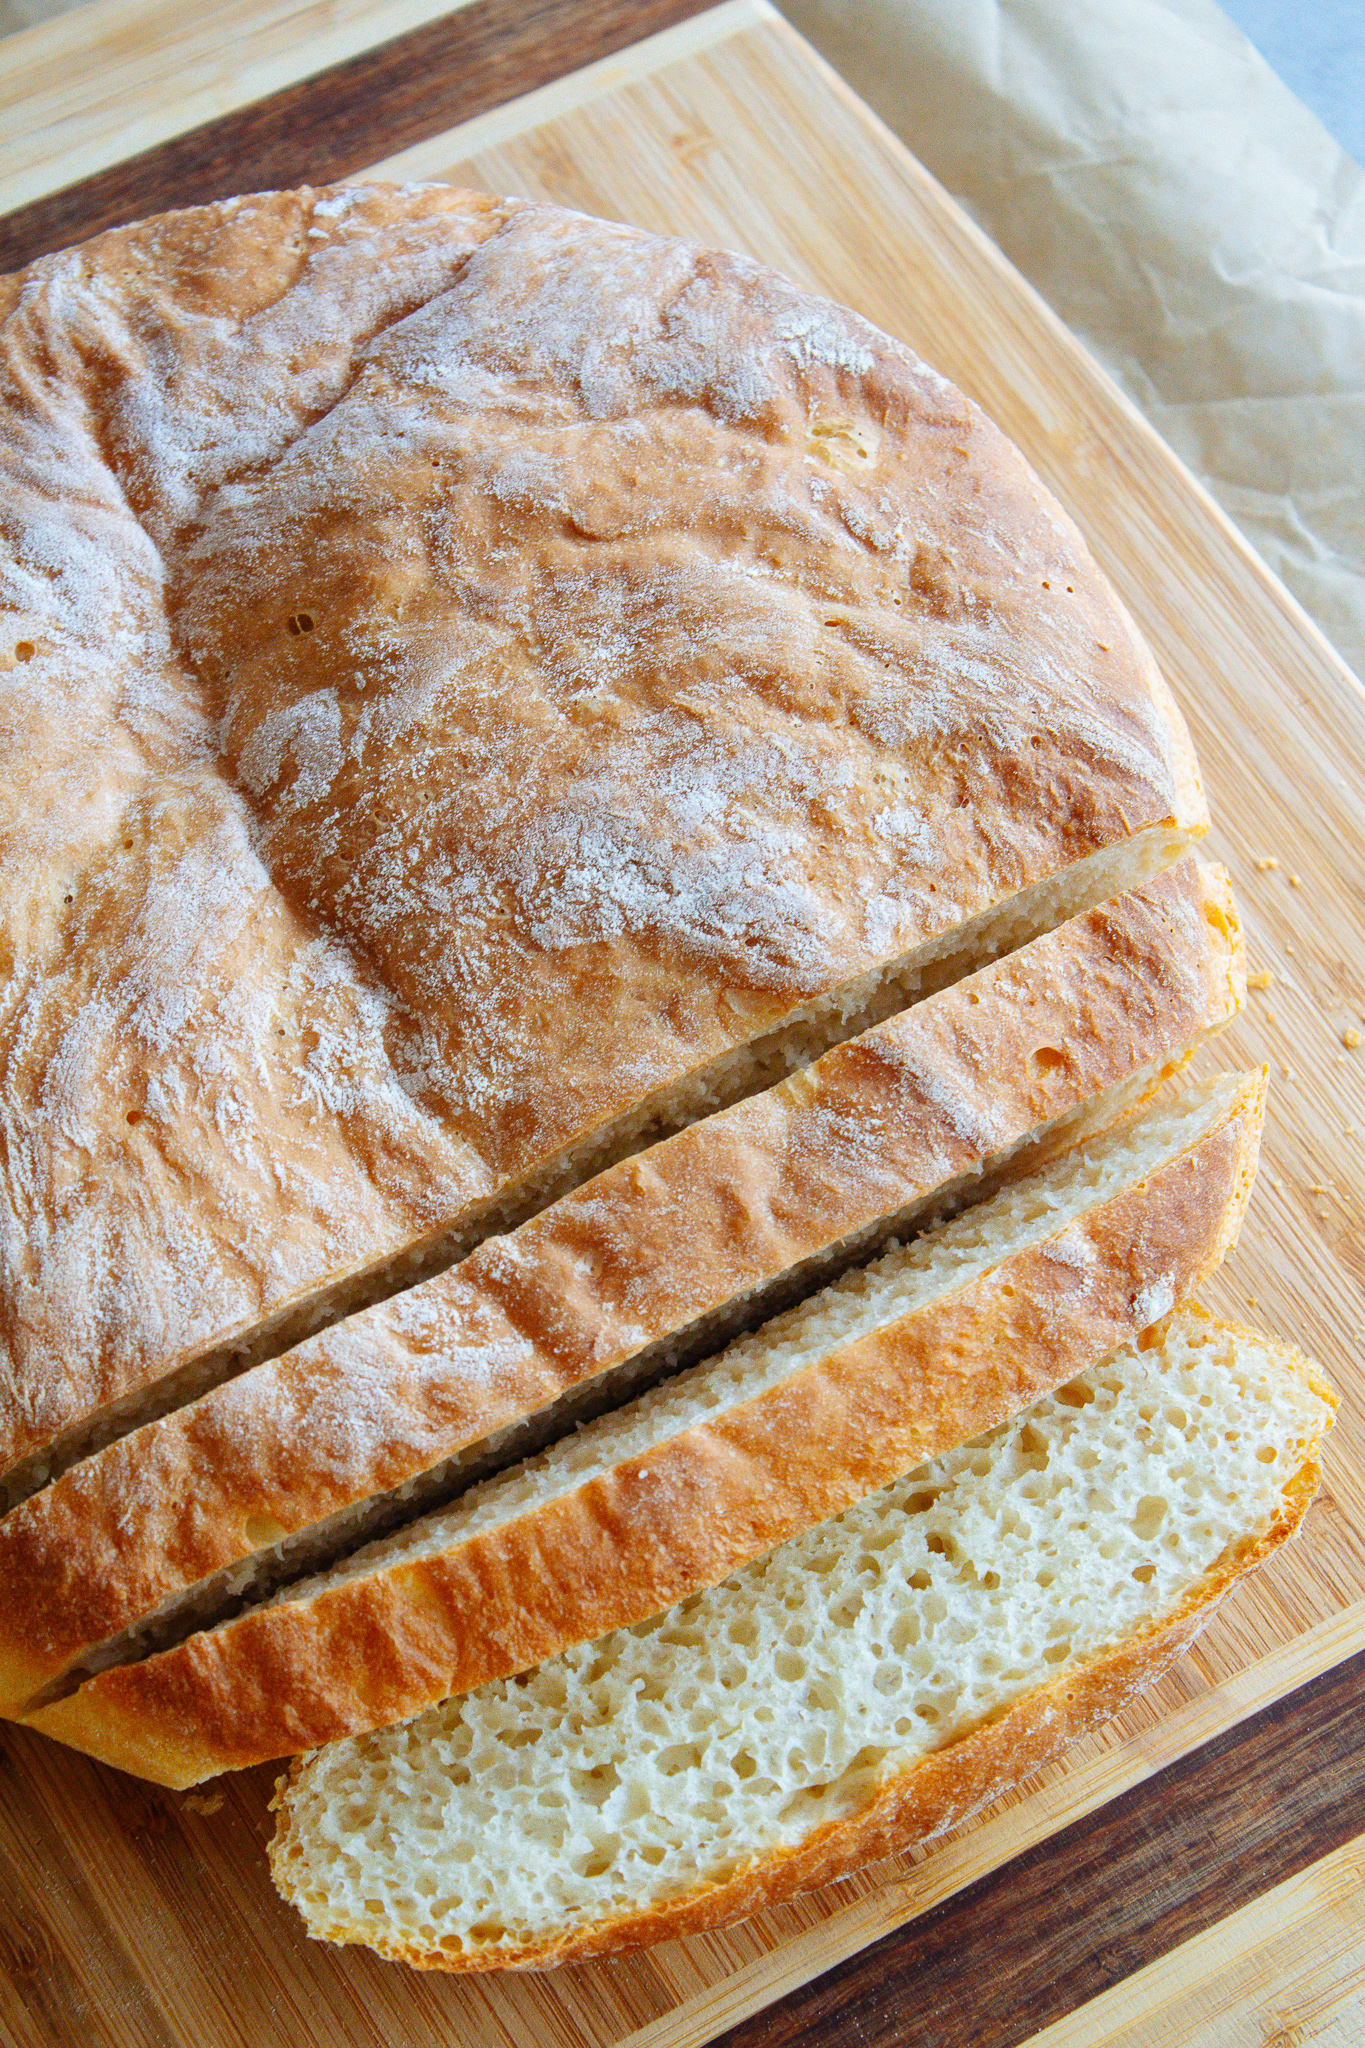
(618,1282)
(733,1078)
(925,1347)
(867,1686)
(456,699)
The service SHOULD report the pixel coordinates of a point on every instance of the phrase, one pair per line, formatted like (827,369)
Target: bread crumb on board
(1350,1039)
(1270,860)
(202,1802)
(1263,979)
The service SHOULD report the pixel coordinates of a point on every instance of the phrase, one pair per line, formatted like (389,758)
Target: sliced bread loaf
(488,677)
(867,1686)
(892,1364)
(654,1262)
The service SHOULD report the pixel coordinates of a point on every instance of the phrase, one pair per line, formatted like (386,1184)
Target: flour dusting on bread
(462,710)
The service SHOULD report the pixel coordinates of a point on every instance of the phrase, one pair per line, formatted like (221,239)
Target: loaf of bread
(651,1263)
(478,685)
(863,1688)
(598,889)
(893,1363)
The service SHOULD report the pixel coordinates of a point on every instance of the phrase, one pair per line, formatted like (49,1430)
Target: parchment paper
(1186,216)
(1175,203)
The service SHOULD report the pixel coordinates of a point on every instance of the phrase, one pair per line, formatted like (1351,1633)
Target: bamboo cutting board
(133,1916)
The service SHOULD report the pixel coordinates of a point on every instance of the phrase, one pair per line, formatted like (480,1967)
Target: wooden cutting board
(133,1916)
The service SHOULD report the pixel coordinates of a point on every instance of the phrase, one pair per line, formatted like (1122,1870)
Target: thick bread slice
(927,1346)
(744,1069)
(653,1261)
(467,674)
(864,1688)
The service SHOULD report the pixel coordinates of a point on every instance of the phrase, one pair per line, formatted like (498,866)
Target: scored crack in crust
(671,1246)
(465,669)
(651,1502)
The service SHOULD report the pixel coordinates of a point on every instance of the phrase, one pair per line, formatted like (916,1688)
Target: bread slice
(474,680)
(653,1262)
(56,1407)
(890,1365)
(867,1686)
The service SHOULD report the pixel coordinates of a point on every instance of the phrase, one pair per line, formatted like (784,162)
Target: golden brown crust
(457,711)
(202,1120)
(639,1253)
(936,1795)
(371,1650)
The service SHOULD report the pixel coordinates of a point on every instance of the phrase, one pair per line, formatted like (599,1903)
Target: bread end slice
(1228,1423)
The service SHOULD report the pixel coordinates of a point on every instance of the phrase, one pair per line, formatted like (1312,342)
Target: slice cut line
(892,1364)
(743,1070)
(650,1264)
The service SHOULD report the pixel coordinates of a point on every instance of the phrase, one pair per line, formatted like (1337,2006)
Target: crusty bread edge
(1124,691)
(68,1553)
(419,1630)
(935,1795)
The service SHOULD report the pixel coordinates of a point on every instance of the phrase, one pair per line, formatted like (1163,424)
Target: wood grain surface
(1203,1838)
(130,1916)
(108,79)
(1285,1971)
(325,126)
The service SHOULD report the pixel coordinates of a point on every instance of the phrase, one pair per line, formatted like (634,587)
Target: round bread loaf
(467,672)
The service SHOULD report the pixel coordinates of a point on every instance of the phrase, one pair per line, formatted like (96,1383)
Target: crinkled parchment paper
(1186,216)
(1184,213)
